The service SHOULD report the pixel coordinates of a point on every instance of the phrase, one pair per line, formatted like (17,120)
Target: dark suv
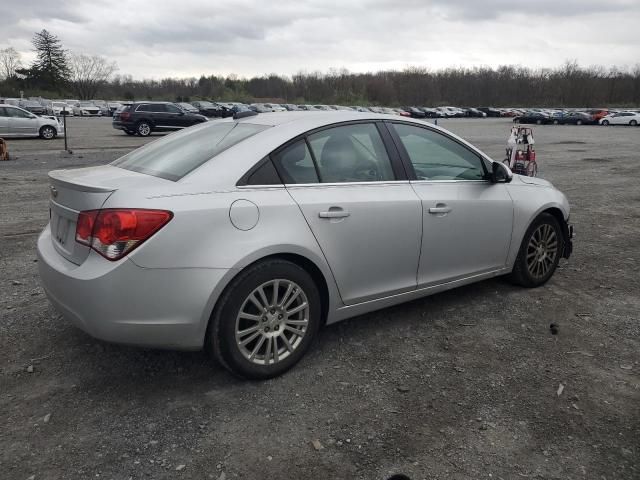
(142,118)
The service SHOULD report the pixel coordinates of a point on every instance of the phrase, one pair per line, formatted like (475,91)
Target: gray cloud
(248,37)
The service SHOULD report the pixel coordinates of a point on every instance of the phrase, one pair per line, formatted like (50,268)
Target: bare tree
(88,73)
(9,62)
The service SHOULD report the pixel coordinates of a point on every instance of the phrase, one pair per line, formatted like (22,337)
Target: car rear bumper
(121,302)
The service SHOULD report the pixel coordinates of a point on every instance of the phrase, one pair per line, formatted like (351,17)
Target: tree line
(56,73)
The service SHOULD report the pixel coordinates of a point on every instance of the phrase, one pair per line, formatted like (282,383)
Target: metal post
(64,127)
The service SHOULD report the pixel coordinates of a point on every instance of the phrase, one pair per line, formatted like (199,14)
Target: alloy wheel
(48,133)
(144,129)
(542,251)
(272,322)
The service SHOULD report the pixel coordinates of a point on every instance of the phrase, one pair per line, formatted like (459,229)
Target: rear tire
(605,123)
(253,320)
(143,129)
(539,122)
(579,122)
(540,252)
(48,132)
(633,123)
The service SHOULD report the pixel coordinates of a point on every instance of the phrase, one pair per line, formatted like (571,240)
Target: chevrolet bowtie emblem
(54,191)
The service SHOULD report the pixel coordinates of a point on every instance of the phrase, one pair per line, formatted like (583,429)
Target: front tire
(605,123)
(540,252)
(266,320)
(143,129)
(579,122)
(48,132)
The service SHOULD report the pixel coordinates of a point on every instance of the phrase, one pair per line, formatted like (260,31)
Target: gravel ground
(468,384)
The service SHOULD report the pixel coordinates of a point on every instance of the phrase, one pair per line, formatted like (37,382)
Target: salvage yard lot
(459,385)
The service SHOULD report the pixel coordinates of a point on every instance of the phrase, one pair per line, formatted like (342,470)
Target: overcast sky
(186,38)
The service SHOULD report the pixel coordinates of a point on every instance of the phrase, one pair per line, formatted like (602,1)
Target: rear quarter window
(174,156)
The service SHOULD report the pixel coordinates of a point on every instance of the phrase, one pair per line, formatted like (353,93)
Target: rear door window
(173,156)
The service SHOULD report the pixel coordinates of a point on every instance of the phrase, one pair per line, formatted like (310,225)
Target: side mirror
(500,173)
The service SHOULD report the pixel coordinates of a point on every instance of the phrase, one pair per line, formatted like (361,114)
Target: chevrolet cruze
(247,235)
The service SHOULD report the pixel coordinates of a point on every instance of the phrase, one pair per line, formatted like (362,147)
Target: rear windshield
(173,156)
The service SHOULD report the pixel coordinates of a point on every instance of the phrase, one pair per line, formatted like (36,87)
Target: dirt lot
(461,385)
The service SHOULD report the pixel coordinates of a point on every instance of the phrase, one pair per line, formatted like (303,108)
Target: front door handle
(334,212)
(440,208)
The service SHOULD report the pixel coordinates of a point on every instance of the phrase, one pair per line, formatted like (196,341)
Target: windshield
(176,155)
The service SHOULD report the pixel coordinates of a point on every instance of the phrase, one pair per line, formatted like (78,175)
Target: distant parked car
(291,107)
(33,107)
(86,109)
(104,108)
(376,109)
(622,118)
(143,118)
(11,101)
(573,118)
(18,122)
(208,109)
(415,112)
(598,114)
(113,106)
(490,111)
(474,112)
(60,109)
(538,118)
(187,107)
(429,112)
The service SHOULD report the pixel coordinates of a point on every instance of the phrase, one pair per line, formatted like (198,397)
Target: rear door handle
(440,208)
(334,212)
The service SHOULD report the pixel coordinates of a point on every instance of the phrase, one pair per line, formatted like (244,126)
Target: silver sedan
(248,234)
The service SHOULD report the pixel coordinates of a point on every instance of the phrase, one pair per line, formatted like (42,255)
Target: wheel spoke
(291,300)
(247,331)
(249,339)
(257,347)
(267,354)
(297,309)
(286,343)
(290,288)
(276,355)
(256,302)
(263,297)
(248,316)
(276,286)
(297,332)
(297,322)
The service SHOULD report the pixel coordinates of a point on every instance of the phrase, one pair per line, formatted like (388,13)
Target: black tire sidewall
(521,272)
(221,335)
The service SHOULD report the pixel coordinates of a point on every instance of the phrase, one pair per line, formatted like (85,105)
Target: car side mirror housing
(500,173)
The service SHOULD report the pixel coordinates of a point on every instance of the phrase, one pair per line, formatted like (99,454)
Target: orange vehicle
(598,113)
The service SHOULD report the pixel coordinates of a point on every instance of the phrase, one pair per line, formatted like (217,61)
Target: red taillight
(115,232)
(124,115)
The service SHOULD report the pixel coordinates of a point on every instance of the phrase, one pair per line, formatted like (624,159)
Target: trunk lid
(73,191)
